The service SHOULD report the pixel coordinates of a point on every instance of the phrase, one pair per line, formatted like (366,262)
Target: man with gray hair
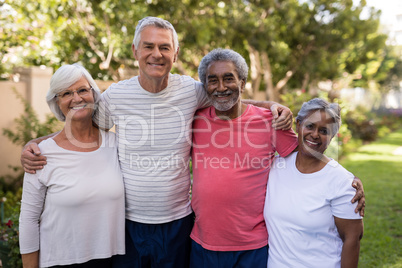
(152,113)
(233,147)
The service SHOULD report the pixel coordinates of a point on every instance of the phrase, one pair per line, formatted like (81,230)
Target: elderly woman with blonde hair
(72,211)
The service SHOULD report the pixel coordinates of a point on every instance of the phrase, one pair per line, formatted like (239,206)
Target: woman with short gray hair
(319,104)
(314,224)
(72,211)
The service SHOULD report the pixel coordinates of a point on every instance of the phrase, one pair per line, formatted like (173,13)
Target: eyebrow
(228,74)
(150,43)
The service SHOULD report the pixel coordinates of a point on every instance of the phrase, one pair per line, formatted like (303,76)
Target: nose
(221,86)
(314,133)
(156,52)
(76,97)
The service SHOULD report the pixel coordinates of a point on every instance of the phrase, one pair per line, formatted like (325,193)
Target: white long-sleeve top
(72,211)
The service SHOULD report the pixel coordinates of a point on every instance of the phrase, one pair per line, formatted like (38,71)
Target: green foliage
(28,125)
(294,100)
(361,123)
(11,183)
(307,40)
(368,126)
(9,225)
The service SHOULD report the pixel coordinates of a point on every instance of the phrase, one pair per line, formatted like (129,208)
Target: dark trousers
(203,258)
(164,245)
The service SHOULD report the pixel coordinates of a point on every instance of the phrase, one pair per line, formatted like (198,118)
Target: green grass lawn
(381,173)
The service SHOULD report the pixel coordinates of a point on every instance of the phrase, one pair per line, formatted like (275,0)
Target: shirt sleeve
(202,97)
(284,141)
(33,199)
(340,203)
(103,117)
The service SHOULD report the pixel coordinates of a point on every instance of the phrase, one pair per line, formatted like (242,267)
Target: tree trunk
(255,71)
(270,91)
(306,81)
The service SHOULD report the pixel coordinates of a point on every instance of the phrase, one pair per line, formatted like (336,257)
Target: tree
(288,44)
(300,44)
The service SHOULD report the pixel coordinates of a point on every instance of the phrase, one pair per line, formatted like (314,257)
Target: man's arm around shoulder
(31,158)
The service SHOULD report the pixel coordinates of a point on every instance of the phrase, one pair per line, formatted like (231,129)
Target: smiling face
(315,133)
(155,55)
(224,88)
(78,107)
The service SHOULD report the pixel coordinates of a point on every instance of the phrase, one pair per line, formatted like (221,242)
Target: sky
(390,24)
(389,9)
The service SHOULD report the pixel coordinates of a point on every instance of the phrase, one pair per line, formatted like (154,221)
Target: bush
(28,127)
(10,210)
(361,124)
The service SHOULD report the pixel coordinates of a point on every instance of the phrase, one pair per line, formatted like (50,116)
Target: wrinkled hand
(283,117)
(359,196)
(31,158)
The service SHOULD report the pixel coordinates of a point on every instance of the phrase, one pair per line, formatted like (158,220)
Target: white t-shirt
(72,211)
(154,141)
(299,213)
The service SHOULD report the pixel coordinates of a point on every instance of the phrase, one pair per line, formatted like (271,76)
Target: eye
(165,48)
(212,81)
(324,131)
(309,126)
(83,91)
(66,94)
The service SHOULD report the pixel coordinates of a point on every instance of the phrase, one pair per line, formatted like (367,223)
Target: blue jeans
(164,245)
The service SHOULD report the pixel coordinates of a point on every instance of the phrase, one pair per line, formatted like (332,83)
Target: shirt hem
(81,260)
(230,248)
(159,221)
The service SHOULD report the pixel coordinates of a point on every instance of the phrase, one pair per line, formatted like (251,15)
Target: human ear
(134,51)
(242,86)
(297,126)
(176,55)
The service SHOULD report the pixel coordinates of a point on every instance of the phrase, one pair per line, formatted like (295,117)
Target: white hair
(62,79)
(157,22)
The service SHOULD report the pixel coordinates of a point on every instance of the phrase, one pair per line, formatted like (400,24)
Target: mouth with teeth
(76,108)
(156,64)
(312,144)
(224,94)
